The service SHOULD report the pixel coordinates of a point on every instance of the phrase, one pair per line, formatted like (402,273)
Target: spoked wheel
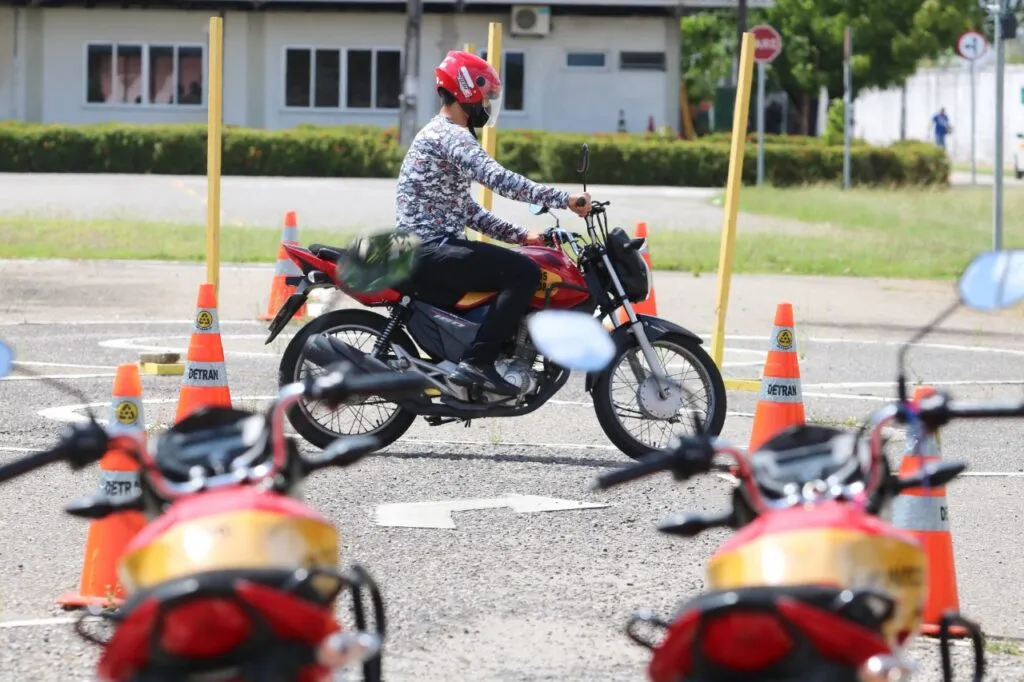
(634,415)
(374,416)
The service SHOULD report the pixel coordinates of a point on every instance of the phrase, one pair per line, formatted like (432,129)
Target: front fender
(654,327)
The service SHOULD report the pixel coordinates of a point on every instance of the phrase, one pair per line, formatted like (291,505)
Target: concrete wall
(877,113)
(43,65)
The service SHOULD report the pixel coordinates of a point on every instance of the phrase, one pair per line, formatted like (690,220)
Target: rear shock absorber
(397,317)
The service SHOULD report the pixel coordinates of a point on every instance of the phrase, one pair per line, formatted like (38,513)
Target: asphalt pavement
(503,595)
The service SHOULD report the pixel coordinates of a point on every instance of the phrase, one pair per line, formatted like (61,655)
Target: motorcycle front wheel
(632,413)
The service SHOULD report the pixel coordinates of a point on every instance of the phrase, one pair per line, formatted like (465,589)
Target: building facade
(336,62)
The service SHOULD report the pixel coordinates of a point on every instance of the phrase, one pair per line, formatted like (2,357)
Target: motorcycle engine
(518,369)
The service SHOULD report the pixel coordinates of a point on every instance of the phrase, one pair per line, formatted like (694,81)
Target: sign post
(972,46)
(767,46)
(847,102)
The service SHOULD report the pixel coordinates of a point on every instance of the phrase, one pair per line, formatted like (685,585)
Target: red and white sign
(971,45)
(767,43)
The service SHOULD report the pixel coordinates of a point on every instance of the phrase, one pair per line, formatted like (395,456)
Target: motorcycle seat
(328,253)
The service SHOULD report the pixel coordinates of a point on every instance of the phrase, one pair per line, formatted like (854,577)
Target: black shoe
(467,375)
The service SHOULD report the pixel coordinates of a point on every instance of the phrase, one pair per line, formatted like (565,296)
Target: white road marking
(145,343)
(114,323)
(885,384)
(10,448)
(36,363)
(439,514)
(876,342)
(43,622)
(39,377)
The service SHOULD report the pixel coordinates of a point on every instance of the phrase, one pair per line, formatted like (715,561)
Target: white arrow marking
(439,514)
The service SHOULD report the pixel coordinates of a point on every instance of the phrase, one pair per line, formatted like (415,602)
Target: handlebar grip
(939,410)
(83,446)
(389,383)
(650,465)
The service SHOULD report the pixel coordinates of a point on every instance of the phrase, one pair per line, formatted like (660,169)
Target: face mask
(478,116)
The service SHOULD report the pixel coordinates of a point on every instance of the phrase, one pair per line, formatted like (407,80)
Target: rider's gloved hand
(534,239)
(574,201)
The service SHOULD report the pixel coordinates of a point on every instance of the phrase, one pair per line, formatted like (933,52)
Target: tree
(707,46)
(890,38)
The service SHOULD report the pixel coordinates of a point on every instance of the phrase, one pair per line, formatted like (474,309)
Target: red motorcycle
(233,578)
(815,585)
(426,332)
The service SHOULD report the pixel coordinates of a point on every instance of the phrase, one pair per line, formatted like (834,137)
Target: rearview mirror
(377,261)
(537,209)
(6,359)
(993,280)
(571,339)
(584,164)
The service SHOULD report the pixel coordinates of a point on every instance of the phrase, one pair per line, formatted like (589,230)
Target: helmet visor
(492,105)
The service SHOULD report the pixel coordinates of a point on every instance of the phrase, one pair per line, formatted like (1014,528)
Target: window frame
(566,66)
(342,78)
(505,111)
(662,69)
(145,104)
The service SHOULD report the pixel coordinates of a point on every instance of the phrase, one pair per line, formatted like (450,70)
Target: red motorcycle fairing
(778,633)
(309,262)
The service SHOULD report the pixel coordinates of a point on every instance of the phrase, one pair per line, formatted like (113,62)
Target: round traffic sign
(767,43)
(971,45)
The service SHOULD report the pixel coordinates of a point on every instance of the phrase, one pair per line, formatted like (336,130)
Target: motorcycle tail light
(745,641)
(204,628)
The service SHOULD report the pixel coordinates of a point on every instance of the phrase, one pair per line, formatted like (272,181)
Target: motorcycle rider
(435,203)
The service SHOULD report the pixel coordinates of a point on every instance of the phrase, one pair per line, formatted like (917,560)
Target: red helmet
(474,84)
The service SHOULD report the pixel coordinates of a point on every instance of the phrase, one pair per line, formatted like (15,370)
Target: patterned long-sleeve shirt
(434,186)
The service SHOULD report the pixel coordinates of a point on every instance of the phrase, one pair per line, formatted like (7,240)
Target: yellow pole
(214,108)
(686,114)
(490,135)
(469,47)
(732,193)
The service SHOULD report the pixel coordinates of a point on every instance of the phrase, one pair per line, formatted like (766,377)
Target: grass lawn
(911,233)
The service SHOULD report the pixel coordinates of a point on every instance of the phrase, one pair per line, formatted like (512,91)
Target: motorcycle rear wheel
(292,368)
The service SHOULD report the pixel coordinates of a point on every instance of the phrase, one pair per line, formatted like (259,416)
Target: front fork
(637,329)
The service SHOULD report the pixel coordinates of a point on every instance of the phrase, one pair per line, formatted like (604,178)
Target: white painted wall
(877,113)
(555,97)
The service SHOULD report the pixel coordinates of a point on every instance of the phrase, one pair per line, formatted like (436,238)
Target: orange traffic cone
(205,380)
(119,477)
(924,513)
(781,404)
(648,306)
(280,290)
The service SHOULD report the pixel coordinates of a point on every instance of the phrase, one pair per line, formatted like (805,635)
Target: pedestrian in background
(942,126)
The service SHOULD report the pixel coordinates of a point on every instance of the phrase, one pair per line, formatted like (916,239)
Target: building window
(314,78)
(513,77)
(585,60)
(642,61)
(125,73)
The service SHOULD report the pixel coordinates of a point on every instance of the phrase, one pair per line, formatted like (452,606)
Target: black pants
(460,265)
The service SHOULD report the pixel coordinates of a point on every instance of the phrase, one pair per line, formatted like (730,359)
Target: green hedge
(366,151)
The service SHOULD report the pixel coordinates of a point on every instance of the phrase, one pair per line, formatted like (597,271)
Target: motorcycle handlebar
(84,445)
(650,465)
(338,386)
(939,410)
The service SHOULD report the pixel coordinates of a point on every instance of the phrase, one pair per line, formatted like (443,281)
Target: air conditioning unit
(531,20)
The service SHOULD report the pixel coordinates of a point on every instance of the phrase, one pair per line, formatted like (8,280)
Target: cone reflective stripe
(119,478)
(648,306)
(781,401)
(205,379)
(924,512)
(280,290)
